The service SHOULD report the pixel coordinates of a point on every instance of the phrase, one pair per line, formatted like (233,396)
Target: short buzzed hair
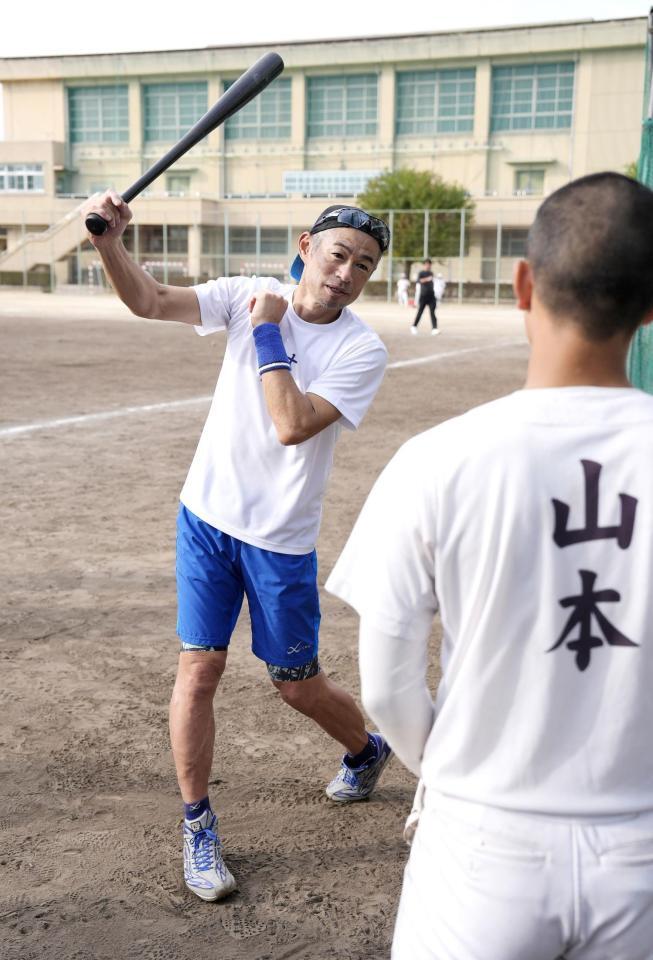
(591,253)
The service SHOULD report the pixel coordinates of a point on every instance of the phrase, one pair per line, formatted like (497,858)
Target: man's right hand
(112,208)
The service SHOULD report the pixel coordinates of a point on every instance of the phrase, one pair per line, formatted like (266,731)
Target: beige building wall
(613,113)
(34,110)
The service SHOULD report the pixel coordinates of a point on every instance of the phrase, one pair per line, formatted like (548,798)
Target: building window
(513,245)
(273,240)
(267,117)
(342,106)
(213,240)
(532,97)
(341,183)
(21,178)
(178,184)
(513,242)
(151,239)
(98,114)
(172,108)
(435,101)
(529,183)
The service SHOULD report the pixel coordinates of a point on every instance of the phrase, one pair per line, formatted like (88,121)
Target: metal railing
(475,261)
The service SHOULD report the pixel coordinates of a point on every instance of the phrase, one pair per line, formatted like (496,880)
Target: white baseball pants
(487,884)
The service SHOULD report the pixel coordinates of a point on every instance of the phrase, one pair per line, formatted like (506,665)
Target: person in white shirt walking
(403,286)
(529,526)
(299,366)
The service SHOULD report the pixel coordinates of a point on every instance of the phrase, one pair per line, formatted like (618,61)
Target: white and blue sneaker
(205,872)
(357,783)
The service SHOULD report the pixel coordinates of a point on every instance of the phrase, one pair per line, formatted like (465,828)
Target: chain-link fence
(475,261)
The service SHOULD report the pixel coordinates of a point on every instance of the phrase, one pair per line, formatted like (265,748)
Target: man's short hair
(591,252)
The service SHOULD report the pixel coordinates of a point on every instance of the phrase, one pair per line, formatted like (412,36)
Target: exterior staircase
(46,247)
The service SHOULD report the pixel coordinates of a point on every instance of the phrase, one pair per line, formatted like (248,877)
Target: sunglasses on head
(359,220)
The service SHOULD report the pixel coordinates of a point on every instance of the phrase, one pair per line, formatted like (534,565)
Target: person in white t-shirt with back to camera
(529,527)
(298,367)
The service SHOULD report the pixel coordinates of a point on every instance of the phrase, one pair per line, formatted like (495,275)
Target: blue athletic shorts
(215,571)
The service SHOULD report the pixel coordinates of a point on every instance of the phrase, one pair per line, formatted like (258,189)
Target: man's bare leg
(336,712)
(192,734)
(192,724)
(331,707)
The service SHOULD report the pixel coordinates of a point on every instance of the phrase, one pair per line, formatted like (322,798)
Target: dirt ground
(90,849)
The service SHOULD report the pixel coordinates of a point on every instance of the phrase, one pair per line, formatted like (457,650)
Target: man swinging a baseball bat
(299,366)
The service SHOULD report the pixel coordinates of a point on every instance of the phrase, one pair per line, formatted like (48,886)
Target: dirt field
(90,851)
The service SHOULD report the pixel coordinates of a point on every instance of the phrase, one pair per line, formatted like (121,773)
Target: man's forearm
(135,287)
(292,412)
(395,692)
(296,416)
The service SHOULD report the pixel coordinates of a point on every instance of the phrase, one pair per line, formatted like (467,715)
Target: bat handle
(96,224)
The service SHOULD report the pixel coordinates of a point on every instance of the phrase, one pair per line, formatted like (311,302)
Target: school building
(510,113)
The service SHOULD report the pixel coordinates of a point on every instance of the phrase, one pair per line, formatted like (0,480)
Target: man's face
(337,265)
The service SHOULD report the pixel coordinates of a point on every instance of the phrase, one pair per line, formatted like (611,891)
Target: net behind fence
(640,358)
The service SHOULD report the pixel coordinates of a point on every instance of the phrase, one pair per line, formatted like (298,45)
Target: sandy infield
(90,849)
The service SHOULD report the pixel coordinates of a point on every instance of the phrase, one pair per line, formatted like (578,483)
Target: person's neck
(311,310)
(561,358)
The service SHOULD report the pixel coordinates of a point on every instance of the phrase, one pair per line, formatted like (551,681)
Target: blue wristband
(270,351)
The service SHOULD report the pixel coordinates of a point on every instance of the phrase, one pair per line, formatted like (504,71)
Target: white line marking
(434,357)
(7,432)
(105,415)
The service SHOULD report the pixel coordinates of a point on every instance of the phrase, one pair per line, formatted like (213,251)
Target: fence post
(258,244)
(461,256)
(23,231)
(165,250)
(197,264)
(226,244)
(53,278)
(426,234)
(497,262)
(388,293)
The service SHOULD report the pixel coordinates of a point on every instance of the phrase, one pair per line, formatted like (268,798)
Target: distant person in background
(403,284)
(425,297)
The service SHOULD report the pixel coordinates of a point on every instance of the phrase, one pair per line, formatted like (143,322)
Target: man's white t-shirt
(242,479)
(529,523)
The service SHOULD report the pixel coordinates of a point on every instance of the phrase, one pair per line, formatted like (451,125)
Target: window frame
(180,115)
(276,98)
(435,102)
(544,90)
(339,106)
(23,172)
(112,101)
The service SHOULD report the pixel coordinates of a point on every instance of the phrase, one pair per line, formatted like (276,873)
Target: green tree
(419,190)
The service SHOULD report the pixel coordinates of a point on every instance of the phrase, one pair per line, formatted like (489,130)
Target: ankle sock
(367,753)
(194,810)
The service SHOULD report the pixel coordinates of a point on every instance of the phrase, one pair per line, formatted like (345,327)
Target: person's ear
(304,244)
(522,284)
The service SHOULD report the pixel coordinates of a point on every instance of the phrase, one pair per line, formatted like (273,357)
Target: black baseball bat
(245,88)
